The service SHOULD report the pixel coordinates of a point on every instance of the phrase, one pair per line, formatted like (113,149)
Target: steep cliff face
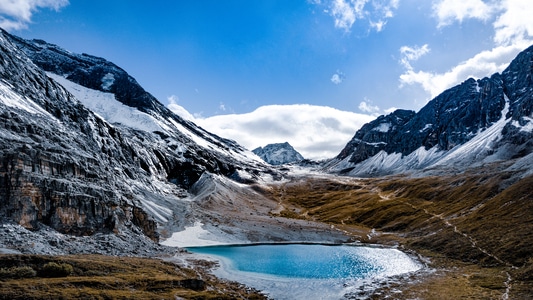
(85,149)
(199,150)
(53,169)
(475,122)
(375,136)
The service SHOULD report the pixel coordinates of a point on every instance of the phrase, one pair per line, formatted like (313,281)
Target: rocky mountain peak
(376,135)
(478,121)
(121,169)
(89,71)
(278,154)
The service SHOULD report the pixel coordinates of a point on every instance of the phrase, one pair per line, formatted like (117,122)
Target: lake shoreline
(328,288)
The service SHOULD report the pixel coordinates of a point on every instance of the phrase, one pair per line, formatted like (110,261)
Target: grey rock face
(454,118)
(65,167)
(278,154)
(99,74)
(54,166)
(375,136)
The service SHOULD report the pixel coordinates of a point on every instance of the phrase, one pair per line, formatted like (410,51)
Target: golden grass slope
(478,222)
(107,277)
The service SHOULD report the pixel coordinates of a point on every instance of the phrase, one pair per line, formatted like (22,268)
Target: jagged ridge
(496,110)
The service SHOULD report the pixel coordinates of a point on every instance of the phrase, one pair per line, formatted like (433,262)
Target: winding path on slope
(447,223)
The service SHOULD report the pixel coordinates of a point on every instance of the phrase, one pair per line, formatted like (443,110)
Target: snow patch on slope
(383,127)
(160,212)
(526,128)
(107,107)
(428,126)
(396,163)
(13,99)
(477,87)
(480,145)
(107,81)
(195,236)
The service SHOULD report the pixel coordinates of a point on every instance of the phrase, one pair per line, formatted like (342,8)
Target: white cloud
(178,109)
(482,64)
(383,9)
(337,78)
(515,24)
(412,54)
(16,14)
(449,11)
(513,32)
(346,12)
(390,110)
(317,132)
(367,107)
(378,26)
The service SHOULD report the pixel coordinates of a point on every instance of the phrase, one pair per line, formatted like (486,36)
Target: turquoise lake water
(306,271)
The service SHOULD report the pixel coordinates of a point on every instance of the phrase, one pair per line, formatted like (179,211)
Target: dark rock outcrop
(375,136)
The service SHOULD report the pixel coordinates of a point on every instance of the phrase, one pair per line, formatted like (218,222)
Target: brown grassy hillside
(478,223)
(106,277)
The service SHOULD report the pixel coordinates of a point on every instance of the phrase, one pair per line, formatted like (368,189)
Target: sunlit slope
(482,218)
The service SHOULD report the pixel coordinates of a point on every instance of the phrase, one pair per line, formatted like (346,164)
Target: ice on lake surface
(307,271)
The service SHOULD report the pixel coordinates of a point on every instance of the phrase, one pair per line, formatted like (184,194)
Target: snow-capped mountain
(278,154)
(85,148)
(114,95)
(474,123)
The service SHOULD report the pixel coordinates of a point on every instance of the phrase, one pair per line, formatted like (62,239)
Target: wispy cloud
(337,78)
(367,107)
(346,12)
(410,54)
(378,26)
(317,132)
(515,24)
(449,11)
(17,14)
(513,32)
(482,64)
(178,109)
(384,10)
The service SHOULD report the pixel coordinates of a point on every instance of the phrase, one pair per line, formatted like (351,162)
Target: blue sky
(228,62)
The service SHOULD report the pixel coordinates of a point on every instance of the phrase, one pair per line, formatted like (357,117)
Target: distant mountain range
(474,123)
(278,154)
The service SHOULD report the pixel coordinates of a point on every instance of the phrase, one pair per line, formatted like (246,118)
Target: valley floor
(470,230)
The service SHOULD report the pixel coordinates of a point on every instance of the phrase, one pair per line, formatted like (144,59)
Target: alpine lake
(307,271)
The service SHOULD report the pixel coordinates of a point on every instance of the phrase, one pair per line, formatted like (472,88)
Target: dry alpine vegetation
(473,229)
(107,277)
